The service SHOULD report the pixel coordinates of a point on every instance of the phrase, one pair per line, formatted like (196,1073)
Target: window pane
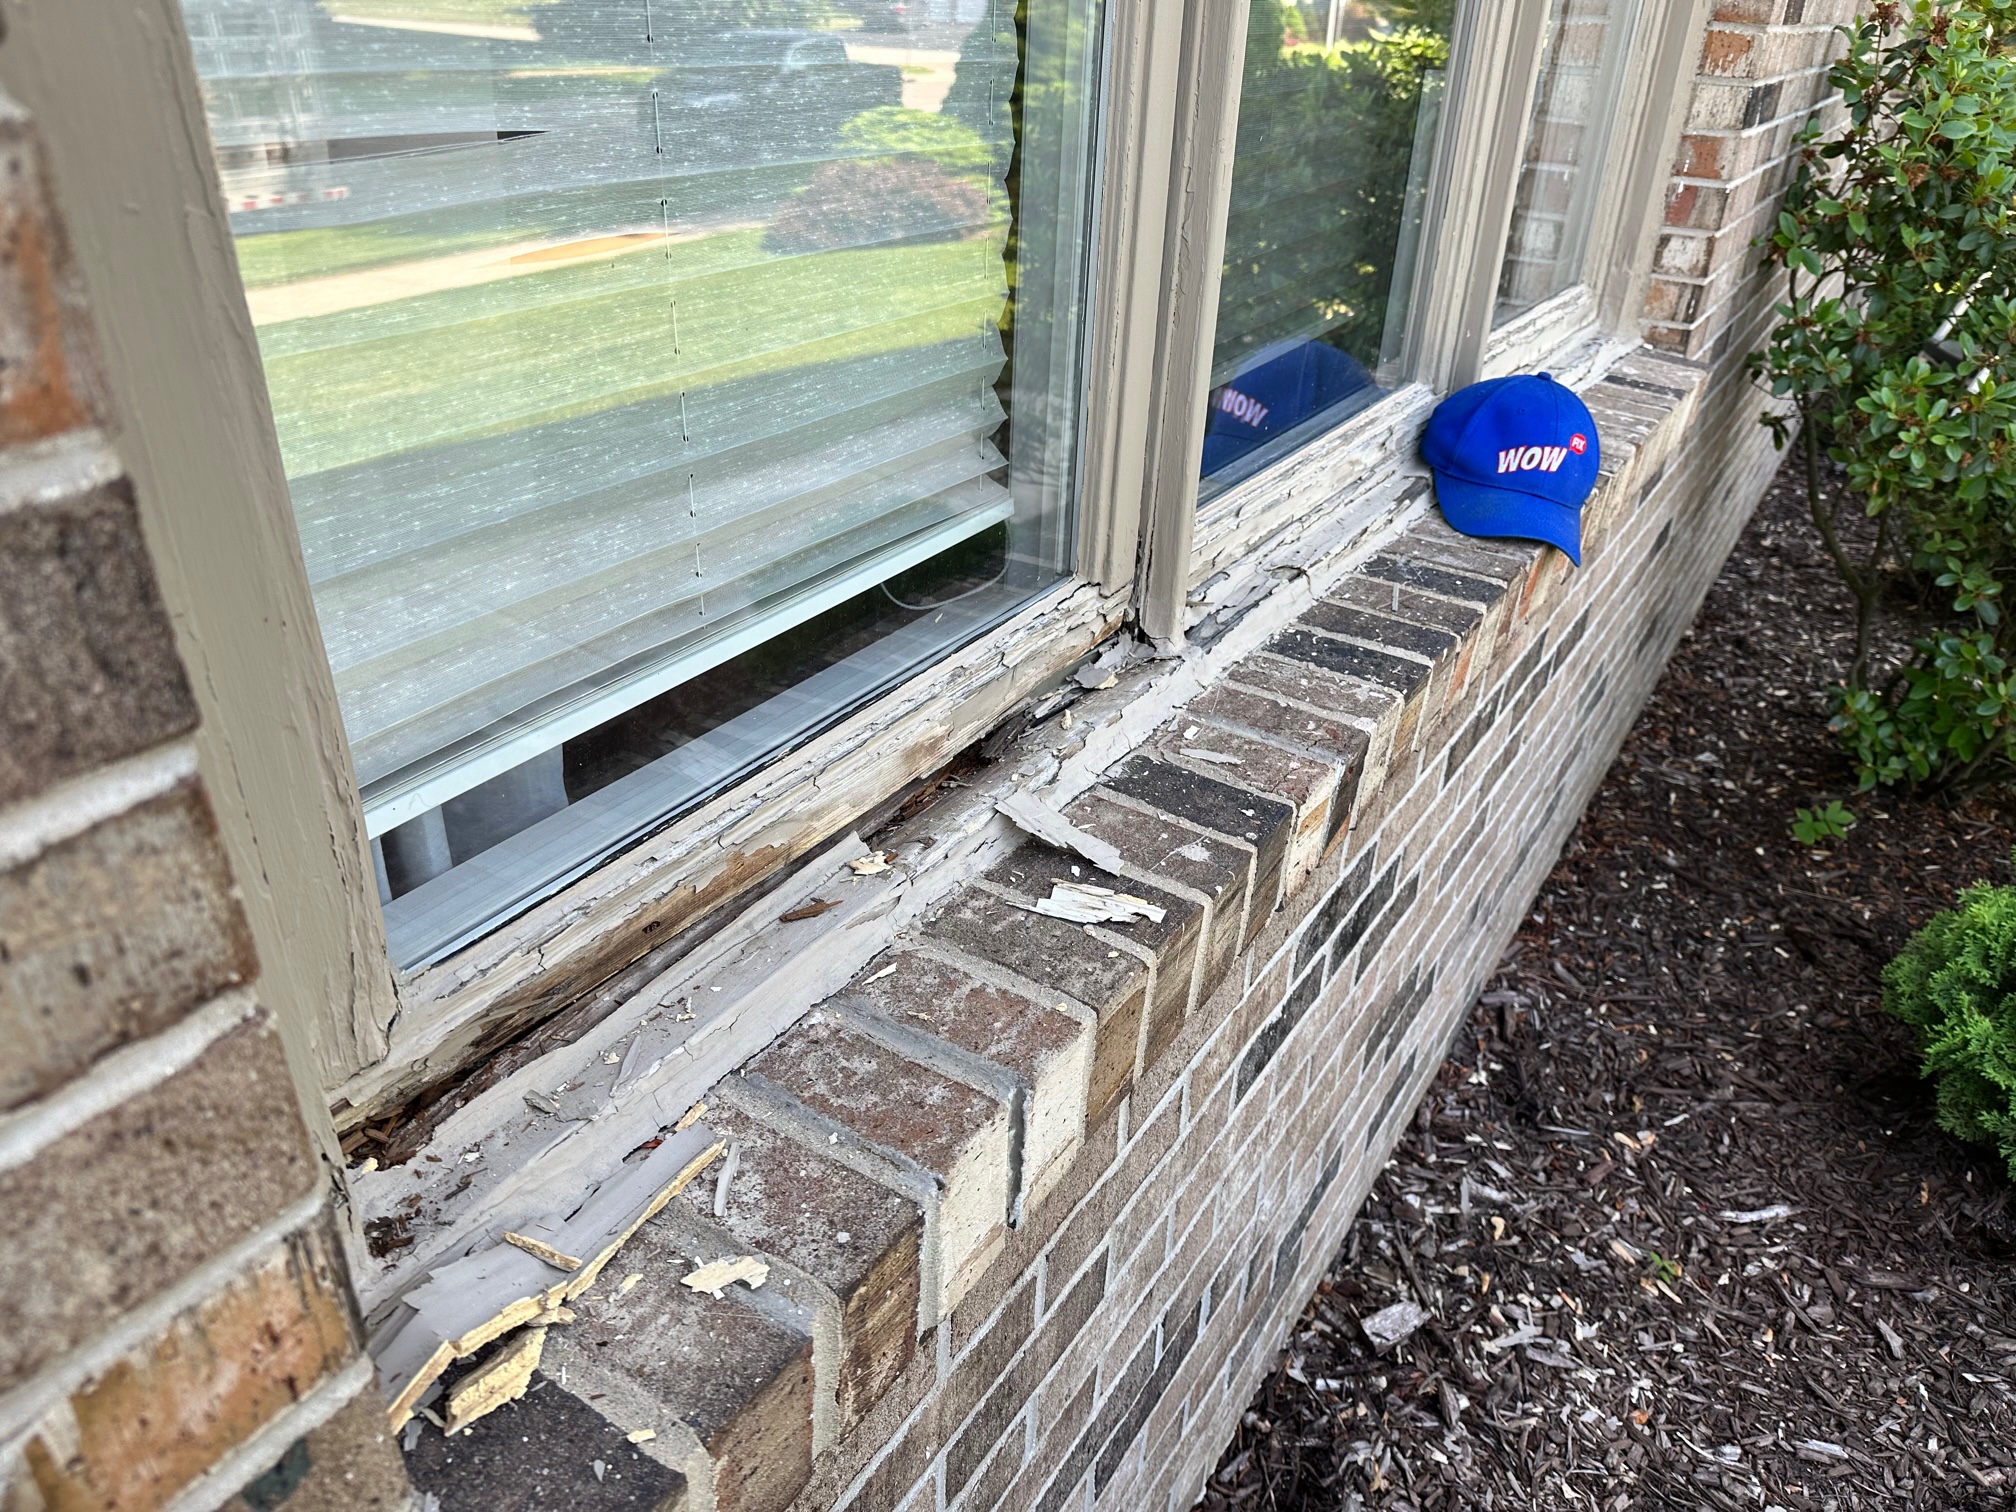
(1580,73)
(1338,111)
(656,380)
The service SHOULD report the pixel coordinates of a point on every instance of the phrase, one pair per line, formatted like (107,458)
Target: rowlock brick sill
(1008,1125)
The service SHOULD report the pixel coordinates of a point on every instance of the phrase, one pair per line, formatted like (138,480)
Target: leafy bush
(1319,185)
(895,130)
(1955,983)
(1897,242)
(1816,826)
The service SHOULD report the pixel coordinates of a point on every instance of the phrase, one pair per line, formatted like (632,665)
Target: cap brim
(1479,510)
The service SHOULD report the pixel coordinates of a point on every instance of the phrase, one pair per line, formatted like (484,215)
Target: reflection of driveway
(462,270)
(927,71)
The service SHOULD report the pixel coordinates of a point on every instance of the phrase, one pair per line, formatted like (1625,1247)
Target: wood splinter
(558,1259)
(503,1378)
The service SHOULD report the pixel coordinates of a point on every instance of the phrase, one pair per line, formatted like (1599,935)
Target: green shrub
(895,130)
(1894,346)
(1955,984)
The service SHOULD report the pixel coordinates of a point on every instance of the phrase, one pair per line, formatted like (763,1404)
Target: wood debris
(642,1435)
(871,865)
(1390,1325)
(1082,903)
(1217,758)
(1033,816)
(471,1302)
(500,1379)
(808,910)
(718,1275)
(558,1259)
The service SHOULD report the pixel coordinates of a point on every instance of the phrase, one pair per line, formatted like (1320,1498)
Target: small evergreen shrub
(1955,984)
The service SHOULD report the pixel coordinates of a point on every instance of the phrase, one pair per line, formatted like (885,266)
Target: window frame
(1486,119)
(196,424)
(120,108)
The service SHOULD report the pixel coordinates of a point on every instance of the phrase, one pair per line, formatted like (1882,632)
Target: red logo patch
(1578,444)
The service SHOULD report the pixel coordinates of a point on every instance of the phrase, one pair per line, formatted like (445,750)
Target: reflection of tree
(1319,184)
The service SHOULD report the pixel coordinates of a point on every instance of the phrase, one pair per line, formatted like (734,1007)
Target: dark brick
(1388,921)
(1398,602)
(1349,889)
(1398,674)
(1362,916)
(1434,580)
(1263,823)
(1290,1250)
(1402,1004)
(1178,1335)
(1392,1095)
(548,1441)
(88,670)
(1380,629)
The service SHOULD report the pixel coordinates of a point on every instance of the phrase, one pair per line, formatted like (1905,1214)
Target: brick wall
(177,1321)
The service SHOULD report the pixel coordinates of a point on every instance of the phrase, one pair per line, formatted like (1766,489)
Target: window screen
(656,381)
(1581,71)
(1338,111)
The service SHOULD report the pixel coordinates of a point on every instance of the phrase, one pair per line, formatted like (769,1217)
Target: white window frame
(112,84)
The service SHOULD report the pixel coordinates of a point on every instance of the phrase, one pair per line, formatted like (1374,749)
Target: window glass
(1338,111)
(1581,70)
(656,381)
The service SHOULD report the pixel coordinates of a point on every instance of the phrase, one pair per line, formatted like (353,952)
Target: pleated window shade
(604,340)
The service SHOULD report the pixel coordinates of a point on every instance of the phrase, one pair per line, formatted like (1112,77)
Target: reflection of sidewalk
(927,71)
(310,297)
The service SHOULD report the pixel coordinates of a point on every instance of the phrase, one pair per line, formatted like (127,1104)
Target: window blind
(600,342)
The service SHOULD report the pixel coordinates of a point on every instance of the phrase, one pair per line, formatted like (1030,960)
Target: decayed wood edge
(940,850)
(500,1379)
(453,1013)
(685,1029)
(481,1296)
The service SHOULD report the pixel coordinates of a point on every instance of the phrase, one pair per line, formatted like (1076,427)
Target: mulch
(1675,1212)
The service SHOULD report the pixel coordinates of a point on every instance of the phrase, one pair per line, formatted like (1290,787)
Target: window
(1581,72)
(656,383)
(1339,111)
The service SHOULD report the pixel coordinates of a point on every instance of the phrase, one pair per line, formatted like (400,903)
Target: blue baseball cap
(1515,457)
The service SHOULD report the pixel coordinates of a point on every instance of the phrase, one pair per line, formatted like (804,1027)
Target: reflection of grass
(279,257)
(565,343)
(456,12)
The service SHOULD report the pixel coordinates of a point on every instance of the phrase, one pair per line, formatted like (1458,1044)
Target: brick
(111,936)
(48,375)
(1469,588)
(89,1232)
(1217,806)
(88,670)
(665,1357)
(140,1431)
(1063,957)
(919,1116)
(789,1201)
(1187,858)
(1313,787)
(1380,630)
(349,1464)
(1042,1047)
(1170,945)
(1394,673)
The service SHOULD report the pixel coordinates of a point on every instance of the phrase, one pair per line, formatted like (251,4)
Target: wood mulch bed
(1678,1216)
